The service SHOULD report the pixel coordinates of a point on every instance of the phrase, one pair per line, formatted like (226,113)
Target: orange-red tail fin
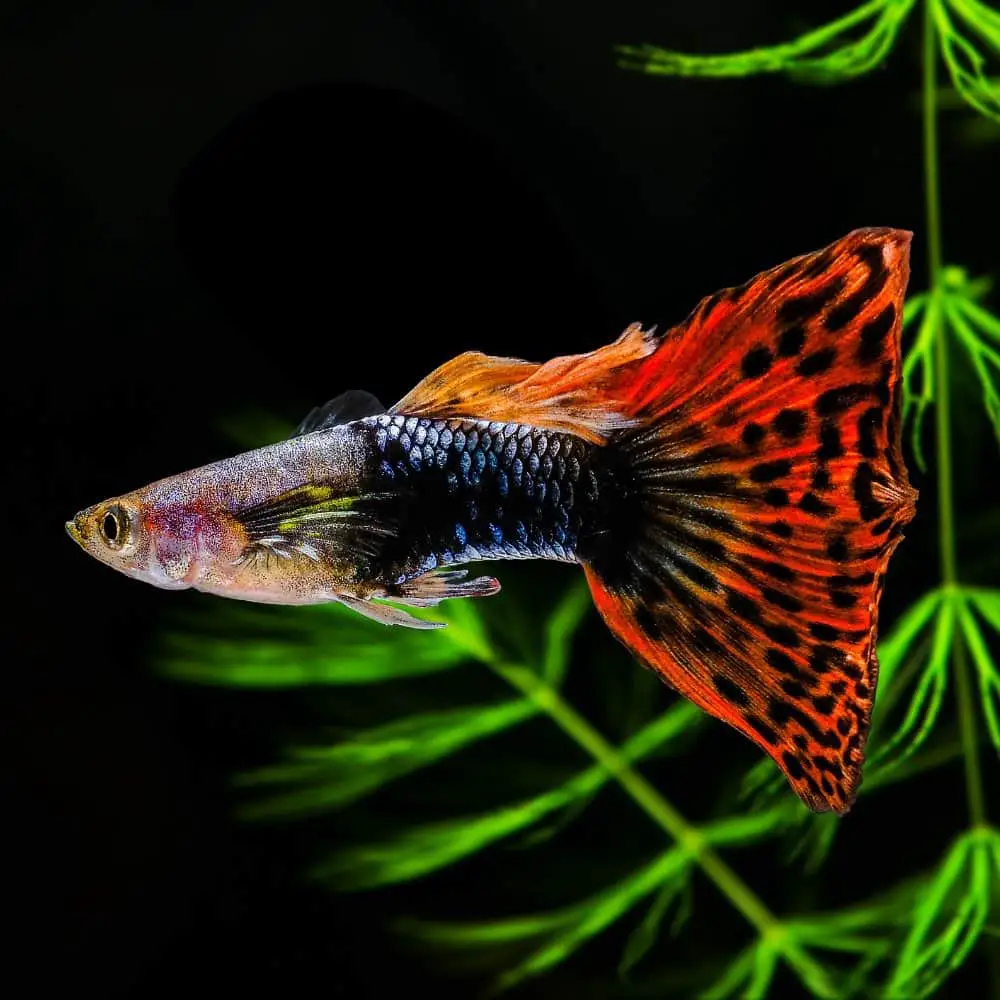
(763,491)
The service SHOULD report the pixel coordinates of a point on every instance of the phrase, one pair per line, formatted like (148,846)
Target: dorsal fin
(565,394)
(351,405)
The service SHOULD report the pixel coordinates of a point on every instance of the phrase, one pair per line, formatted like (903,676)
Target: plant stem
(666,816)
(946,526)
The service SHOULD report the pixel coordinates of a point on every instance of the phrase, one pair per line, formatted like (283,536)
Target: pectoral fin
(309,519)
(385,613)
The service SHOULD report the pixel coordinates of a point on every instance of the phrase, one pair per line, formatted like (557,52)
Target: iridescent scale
(476,490)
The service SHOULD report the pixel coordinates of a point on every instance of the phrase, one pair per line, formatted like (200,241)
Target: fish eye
(114,527)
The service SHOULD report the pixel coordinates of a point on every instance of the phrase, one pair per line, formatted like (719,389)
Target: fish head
(157,535)
(281,524)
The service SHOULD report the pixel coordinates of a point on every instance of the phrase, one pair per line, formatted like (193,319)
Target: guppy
(732,487)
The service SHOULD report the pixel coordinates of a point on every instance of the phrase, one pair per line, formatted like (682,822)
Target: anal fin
(439,585)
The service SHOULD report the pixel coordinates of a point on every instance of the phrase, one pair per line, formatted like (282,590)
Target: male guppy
(733,488)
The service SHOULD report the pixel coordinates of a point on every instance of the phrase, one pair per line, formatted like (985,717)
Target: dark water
(261,205)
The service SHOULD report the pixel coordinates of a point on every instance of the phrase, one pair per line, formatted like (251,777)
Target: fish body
(733,489)
(358,510)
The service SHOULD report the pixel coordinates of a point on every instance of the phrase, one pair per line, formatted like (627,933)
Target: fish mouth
(73,530)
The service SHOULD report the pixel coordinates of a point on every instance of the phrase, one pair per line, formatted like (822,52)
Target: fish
(733,488)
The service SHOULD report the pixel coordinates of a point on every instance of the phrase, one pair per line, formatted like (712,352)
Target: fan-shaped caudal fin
(572,394)
(767,492)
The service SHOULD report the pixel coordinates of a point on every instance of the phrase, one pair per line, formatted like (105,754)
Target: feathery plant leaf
(919,360)
(950,311)
(825,54)
(836,51)
(556,935)
(323,778)
(675,895)
(417,851)
(966,63)
(950,914)
(863,935)
(987,604)
(295,650)
(928,696)
(560,629)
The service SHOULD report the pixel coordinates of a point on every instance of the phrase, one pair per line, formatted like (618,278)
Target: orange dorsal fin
(571,394)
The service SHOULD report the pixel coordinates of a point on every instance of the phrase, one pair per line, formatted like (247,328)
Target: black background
(206,208)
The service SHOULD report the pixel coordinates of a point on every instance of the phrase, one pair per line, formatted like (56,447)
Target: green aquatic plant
(494,732)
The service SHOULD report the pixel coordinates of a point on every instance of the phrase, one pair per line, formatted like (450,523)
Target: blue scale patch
(471,490)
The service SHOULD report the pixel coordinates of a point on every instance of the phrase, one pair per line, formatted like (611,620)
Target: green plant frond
(754,964)
(813,845)
(948,917)
(646,934)
(317,779)
(751,975)
(261,647)
(762,783)
(748,828)
(987,603)
(560,628)
(825,54)
(985,358)
(981,318)
(418,851)
(939,754)
(953,308)
(898,644)
(557,935)
(598,913)
(966,63)
(920,361)
(675,896)
(928,697)
(863,934)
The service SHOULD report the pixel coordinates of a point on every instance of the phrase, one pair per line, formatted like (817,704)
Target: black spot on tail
(793,765)
(766,732)
(756,362)
(790,424)
(869,424)
(805,307)
(830,445)
(843,397)
(868,506)
(837,548)
(873,335)
(818,361)
(730,691)
(767,472)
(791,342)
